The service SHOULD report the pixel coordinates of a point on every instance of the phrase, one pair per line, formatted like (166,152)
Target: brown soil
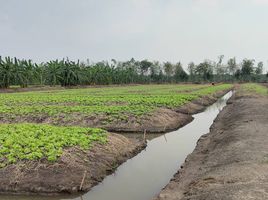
(66,175)
(230,162)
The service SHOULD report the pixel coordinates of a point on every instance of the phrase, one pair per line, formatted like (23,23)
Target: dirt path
(231,162)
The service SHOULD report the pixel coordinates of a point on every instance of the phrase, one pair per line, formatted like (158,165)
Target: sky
(163,30)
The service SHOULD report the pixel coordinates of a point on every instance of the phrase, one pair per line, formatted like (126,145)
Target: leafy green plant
(36,141)
(113,102)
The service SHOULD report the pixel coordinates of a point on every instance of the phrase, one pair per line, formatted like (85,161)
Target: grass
(255,88)
(36,141)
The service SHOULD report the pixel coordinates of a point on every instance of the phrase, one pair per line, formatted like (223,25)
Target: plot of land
(98,106)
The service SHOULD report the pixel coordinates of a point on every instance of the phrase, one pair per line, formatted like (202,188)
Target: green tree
(232,66)
(238,74)
(247,69)
(53,72)
(180,74)
(168,68)
(219,65)
(259,68)
(191,70)
(39,72)
(27,71)
(6,72)
(205,70)
(154,71)
(18,73)
(145,66)
(69,73)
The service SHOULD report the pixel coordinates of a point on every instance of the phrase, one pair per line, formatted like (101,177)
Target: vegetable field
(28,119)
(113,102)
(35,141)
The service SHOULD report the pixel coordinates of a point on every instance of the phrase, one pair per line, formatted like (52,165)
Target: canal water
(143,177)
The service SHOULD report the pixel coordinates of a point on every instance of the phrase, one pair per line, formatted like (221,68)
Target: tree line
(65,72)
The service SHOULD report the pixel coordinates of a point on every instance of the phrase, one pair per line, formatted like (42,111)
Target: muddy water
(142,177)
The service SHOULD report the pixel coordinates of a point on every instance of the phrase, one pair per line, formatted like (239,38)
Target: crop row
(116,101)
(36,141)
(26,141)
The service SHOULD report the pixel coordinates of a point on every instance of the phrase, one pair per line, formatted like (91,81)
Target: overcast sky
(164,30)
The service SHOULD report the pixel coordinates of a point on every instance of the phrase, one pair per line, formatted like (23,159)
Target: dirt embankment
(230,162)
(67,174)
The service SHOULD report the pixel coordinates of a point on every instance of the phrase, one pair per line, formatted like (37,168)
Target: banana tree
(28,72)
(52,72)
(70,73)
(6,72)
(39,73)
(18,73)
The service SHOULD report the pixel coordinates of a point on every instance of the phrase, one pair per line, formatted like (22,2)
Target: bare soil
(66,175)
(230,162)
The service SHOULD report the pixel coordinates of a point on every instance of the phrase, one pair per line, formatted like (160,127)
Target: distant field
(254,88)
(113,102)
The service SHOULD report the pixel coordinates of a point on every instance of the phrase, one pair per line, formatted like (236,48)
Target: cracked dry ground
(230,162)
